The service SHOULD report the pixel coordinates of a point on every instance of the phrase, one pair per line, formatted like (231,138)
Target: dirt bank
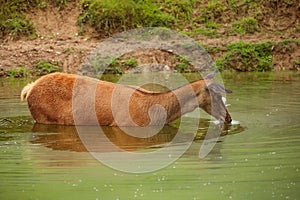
(58,41)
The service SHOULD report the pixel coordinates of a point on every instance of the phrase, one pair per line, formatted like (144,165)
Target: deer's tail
(26,91)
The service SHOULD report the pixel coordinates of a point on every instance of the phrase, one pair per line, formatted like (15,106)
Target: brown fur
(51,100)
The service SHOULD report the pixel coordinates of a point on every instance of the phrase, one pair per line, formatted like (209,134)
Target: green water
(260,160)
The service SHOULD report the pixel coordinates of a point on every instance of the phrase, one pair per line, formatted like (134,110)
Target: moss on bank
(40,68)
(213,18)
(110,16)
(13,22)
(200,19)
(243,56)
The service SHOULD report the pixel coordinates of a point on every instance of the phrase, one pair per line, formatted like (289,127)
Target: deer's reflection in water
(109,139)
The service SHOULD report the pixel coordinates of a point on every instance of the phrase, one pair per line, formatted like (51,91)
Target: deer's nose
(228,118)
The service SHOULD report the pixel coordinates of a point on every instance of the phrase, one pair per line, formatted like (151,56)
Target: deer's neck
(179,101)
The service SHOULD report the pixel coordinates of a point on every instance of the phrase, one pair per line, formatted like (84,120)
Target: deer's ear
(217,88)
(211,75)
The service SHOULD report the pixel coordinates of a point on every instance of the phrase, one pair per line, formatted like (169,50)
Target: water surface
(256,159)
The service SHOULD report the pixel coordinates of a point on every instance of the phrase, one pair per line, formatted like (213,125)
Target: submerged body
(68,99)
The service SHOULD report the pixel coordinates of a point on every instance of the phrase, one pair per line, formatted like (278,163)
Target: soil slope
(58,40)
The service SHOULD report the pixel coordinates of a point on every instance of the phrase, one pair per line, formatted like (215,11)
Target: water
(258,159)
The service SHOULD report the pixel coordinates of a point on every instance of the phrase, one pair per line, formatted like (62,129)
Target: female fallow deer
(68,99)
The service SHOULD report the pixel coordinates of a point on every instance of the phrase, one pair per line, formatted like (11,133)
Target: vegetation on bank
(243,56)
(246,57)
(211,18)
(40,68)
(130,61)
(13,20)
(110,16)
(214,18)
(238,56)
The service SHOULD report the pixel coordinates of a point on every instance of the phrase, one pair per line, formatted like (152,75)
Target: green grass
(13,22)
(18,72)
(193,17)
(109,16)
(131,62)
(244,17)
(243,56)
(183,65)
(213,10)
(43,67)
(246,25)
(43,4)
(120,65)
(287,42)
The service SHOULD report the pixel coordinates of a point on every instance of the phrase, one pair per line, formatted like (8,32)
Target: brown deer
(68,99)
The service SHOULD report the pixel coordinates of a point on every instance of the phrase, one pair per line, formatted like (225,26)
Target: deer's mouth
(227,118)
(223,116)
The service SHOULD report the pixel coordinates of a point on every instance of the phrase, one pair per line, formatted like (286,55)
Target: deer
(68,99)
